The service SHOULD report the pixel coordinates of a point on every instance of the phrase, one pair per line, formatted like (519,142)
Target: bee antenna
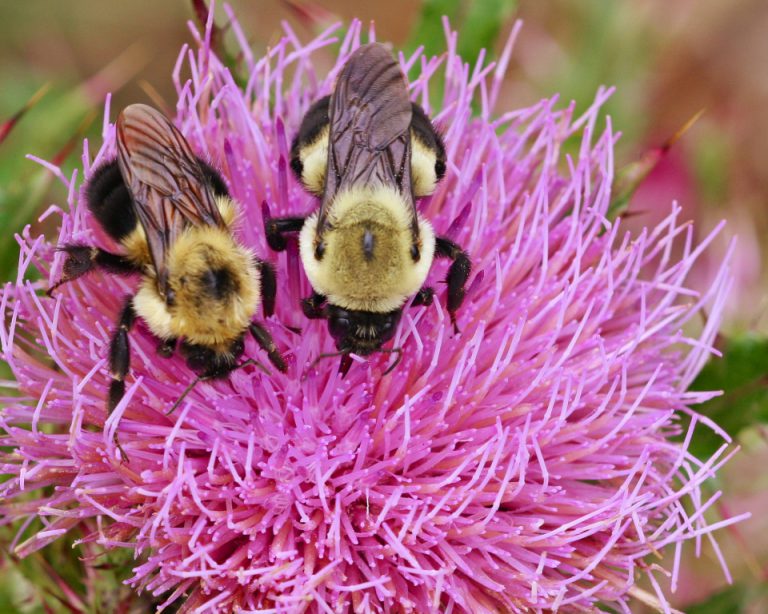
(343,353)
(184,394)
(399,352)
(252,361)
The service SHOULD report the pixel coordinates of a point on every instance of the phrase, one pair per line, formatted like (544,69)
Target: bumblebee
(368,153)
(173,216)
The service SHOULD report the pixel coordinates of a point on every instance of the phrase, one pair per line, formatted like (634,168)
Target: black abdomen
(110,202)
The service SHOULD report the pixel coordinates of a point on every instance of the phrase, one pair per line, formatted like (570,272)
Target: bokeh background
(669,60)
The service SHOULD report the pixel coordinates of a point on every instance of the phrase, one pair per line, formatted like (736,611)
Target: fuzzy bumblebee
(173,216)
(368,153)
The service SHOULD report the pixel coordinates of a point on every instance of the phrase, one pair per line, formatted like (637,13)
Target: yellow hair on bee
(152,308)
(382,280)
(422,168)
(230,212)
(201,315)
(314,160)
(135,246)
(135,242)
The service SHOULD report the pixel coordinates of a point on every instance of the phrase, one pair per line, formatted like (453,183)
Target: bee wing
(370,118)
(166,182)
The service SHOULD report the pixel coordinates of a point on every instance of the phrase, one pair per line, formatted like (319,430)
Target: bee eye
(439,169)
(339,327)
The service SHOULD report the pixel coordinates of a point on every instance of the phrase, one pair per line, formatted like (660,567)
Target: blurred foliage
(742,375)
(478,23)
(46,130)
(733,600)
(75,580)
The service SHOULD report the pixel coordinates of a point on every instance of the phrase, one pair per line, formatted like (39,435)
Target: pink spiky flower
(526,463)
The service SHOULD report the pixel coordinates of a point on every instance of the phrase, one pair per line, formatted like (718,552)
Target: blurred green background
(669,61)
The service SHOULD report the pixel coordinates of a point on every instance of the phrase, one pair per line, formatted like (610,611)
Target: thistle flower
(529,462)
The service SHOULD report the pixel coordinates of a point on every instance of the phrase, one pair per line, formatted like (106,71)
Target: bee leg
(119,361)
(424,296)
(264,339)
(313,306)
(167,347)
(457,276)
(82,259)
(275,227)
(268,287)
(120,354)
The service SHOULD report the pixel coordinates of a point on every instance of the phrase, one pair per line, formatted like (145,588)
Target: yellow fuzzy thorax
(314,160)
(344,274)
(195,315)
(422,168)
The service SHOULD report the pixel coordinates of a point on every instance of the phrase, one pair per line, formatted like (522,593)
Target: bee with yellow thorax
(173,217)
(368,152)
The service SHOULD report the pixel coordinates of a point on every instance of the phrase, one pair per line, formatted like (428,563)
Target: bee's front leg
(457,276)
(264,339)
(276,227)
(82,259)
(120,354)
(120,361)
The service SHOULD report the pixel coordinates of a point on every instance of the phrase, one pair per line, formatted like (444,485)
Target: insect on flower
(368,152)
(173,216)
(537,462)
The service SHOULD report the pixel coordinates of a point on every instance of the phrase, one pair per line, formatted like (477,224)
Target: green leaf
(478,24)
(742,374)
(428,30)
(482,25)
(731,600)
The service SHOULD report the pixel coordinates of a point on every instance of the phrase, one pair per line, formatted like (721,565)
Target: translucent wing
(370,117)
(166,182)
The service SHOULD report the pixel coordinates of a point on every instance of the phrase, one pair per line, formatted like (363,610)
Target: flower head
(527,462)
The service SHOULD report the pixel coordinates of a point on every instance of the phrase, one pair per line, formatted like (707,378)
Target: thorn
(9,124)
(629,178)
(75,139)
(202,14)
(115,74)
(311,14)
(156,97)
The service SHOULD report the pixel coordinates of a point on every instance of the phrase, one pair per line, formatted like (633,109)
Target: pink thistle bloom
(527,463)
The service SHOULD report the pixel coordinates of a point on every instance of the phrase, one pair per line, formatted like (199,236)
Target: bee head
(361,332)
(206,361)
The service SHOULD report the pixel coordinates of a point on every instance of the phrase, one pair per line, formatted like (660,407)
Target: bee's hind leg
(268,287)
(82,259)
(457,276)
